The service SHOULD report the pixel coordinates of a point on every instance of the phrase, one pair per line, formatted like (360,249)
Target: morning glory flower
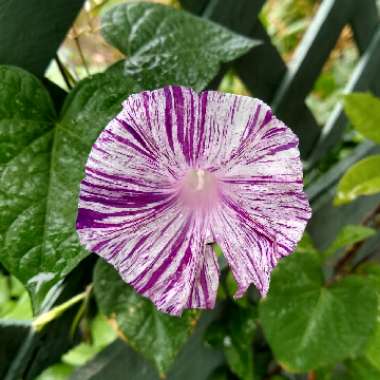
(175,172)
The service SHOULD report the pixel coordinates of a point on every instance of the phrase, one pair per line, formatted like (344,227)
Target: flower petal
(264,210)
(129,211)
(247,246)
(226,123)
(169,116)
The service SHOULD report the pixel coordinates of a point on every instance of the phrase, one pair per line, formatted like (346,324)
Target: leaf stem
(81,311)
(42,320)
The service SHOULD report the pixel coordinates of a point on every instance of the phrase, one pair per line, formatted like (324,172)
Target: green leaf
(59,371)
(17,288)
(348,236)
(195,361)
(310,325)
(156,335)
(363,178)
(372,352)
(116,362)
(231,287)
(41,165)
(102,334)
(14,300)
(168,46)
(36,30)
(363,110)
(361,369)
(306,244)
(80,354)
(4,291)
(234,333)
(21,310)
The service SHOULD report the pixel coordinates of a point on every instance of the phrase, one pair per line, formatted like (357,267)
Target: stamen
(199,188)
(201,179)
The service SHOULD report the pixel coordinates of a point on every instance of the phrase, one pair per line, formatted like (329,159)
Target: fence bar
(364,22)
(313,52)
(239,16)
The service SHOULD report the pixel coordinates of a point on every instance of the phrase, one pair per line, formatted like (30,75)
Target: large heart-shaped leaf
(41,165)
(309,324)
(167,46)
(156,335)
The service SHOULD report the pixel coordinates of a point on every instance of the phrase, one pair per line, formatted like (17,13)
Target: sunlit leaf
(363,110)
(58,371)
(348,236)
(363,178)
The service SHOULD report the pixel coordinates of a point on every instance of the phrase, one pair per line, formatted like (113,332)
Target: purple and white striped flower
(176,171)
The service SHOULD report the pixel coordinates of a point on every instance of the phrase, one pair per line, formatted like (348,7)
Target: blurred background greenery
(84,52)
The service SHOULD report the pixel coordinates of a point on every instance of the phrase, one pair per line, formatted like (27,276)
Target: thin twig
(371,215)
(349,255)
(364,259)
(77,43)
(63,72)
(276,370)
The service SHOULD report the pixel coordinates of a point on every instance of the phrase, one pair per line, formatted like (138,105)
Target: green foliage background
(66,315)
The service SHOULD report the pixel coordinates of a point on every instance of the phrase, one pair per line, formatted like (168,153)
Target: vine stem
(42,320)
(349,255)
(81,311)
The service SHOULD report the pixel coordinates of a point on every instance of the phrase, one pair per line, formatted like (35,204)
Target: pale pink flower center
(199,188)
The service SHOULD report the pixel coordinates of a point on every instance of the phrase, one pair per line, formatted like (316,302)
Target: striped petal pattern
(176,171)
